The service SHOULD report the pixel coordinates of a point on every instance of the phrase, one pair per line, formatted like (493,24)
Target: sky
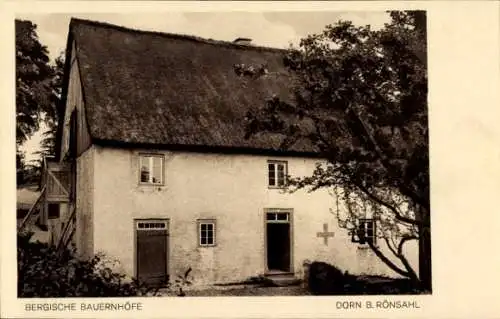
(272,29)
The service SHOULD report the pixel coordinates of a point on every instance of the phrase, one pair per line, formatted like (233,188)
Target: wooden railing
(68,231)
(31,211)
(58,185)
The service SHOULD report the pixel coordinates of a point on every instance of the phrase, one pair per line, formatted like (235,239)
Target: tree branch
(390,247)
(411,272)
(383,158)
(392,208)
(387,261)
(399,254)
(403,241)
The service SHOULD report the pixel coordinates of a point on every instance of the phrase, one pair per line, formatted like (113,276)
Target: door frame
(289,211)
(167,239)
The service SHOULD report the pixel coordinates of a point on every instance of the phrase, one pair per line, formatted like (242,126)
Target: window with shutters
(277,172)
(151,169)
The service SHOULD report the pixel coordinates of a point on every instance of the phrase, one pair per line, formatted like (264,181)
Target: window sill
(151,185)
(150,188)
(366,247)
(277,187)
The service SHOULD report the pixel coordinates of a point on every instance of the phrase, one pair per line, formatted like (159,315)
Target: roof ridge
(170,35)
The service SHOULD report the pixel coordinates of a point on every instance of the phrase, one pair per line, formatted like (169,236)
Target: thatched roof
(159,89)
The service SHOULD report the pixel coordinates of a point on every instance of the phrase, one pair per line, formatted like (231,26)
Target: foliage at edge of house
(44,272)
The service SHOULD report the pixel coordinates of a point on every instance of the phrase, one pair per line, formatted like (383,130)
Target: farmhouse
(153,168)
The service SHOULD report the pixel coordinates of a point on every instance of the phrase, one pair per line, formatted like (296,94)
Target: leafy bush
(45,272)
(326,279)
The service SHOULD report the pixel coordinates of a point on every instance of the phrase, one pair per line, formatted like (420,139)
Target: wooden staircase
(58,190)
(34,212)
(68,231)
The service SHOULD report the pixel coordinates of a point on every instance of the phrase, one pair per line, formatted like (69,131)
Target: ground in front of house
(366,285)
(241,291)
(251,291)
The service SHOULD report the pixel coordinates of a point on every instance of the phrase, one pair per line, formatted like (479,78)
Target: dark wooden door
(152,252)
(278,246)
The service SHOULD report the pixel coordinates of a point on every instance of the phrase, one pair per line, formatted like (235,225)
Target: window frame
(276,217)
(145,225)
(363,224)
(141,156)
(276,163)
(49,205)
(212,222)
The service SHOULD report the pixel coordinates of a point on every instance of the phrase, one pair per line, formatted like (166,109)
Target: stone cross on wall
(325,234)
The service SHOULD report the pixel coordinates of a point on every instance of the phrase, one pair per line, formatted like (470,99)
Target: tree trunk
(424,253)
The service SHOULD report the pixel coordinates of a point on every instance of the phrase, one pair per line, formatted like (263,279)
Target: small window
(365,232)
(206,232)
(278,217)
(53,210)
(151,169)
(151,225)
(277,172)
